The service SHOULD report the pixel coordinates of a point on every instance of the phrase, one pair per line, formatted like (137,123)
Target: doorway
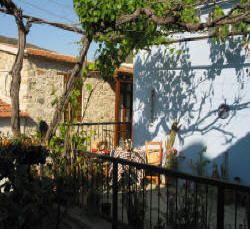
(123,108)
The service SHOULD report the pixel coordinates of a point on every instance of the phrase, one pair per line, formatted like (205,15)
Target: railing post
(115,196)
(248,210)
(220,207)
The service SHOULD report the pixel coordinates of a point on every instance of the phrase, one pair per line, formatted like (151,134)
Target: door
(124,108)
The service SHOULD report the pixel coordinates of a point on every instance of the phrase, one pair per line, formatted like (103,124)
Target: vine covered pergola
(121,27)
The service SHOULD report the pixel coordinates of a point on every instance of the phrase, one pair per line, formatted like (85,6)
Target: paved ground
(76,219)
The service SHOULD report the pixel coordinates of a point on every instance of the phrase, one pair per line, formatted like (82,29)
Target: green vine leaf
(88,87)
(120,29)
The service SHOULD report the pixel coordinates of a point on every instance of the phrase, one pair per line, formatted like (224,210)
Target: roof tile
(5,110)
(63,58)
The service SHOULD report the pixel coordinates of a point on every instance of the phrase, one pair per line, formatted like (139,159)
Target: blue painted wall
(190,84)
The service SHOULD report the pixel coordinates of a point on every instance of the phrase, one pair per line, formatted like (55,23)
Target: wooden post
(117,112)
(23,30)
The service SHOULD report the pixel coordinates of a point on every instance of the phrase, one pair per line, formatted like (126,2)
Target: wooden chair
(154,157)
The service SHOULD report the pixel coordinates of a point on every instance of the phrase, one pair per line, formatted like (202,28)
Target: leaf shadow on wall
(175,81)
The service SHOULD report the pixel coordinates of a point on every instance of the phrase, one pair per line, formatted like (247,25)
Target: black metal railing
(106,132)
(118,190)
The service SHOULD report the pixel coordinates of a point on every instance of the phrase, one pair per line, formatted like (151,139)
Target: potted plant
(172,158)
(171,155)
(199,166)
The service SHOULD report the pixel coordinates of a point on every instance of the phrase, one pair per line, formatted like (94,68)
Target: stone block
(41,100)
(40,72)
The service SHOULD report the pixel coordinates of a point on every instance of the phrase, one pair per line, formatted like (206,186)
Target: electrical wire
(47,11)
(60,4)
(64,7)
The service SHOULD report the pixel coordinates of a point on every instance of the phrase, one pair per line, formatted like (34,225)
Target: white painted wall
(191,86)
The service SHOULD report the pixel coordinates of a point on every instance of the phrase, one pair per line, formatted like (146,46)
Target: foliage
(22,150)
(133,197)
(96,184)
(191,206)
(63,159)
(171,139)
(173,156)
(199,166)
(67,131)
(121,27)
(25,201)
(29,203)
(79,140)
(89,87)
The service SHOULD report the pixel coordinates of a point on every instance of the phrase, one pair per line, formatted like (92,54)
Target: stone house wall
(6,61)
(40,77)
(43,81)
(100,102)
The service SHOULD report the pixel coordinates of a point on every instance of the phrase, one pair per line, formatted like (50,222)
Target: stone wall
(101,105)
(42,82)
(6,61)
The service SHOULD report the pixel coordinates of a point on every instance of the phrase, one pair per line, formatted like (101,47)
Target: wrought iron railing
(108,132)
(118,190)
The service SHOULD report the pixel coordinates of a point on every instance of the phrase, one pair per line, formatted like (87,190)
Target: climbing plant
(121,26)
(124,26)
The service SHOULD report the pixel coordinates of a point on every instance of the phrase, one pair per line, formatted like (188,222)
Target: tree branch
(191,27)
(68,89)
(166,20)
(147,11)
(238,6)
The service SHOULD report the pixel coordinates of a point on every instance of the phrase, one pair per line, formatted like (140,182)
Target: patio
(185,201)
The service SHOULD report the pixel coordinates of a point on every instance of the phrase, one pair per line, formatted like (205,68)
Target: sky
(46,36)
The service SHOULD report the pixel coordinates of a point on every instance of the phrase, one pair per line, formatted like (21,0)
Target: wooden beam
(77,30)
(41,21)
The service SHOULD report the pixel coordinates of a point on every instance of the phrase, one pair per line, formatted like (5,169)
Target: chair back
(153,153)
